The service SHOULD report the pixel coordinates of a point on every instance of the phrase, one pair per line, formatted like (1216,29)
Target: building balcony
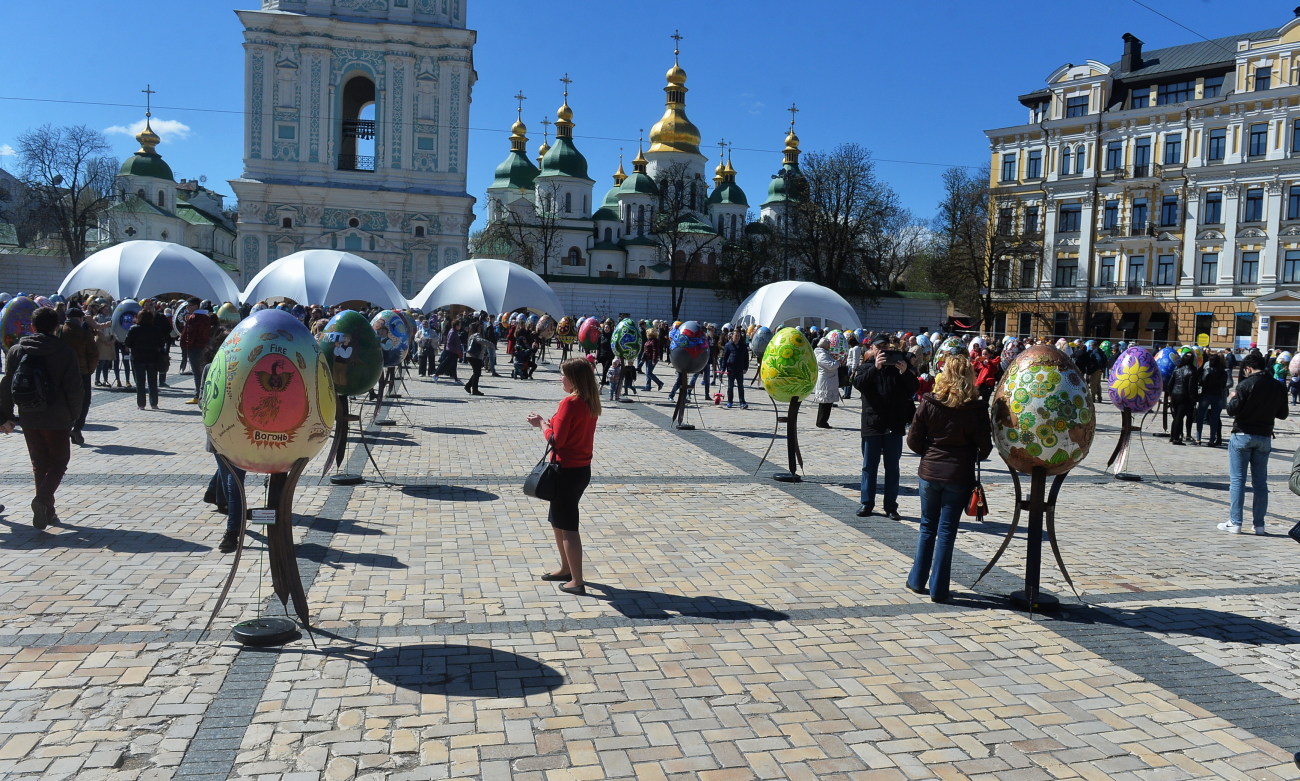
(356,162)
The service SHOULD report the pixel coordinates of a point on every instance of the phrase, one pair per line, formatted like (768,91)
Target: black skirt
(570,483)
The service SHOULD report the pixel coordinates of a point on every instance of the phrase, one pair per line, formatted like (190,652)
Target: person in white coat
(826,392)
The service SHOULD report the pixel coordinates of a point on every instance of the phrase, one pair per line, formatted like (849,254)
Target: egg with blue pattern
(16,320)
(626,340)
(688,347)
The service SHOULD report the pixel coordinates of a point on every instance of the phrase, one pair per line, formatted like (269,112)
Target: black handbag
(540,483)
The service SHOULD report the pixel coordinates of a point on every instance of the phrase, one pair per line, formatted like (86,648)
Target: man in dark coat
(46,429)
(81,338)
(887,386)
(735,362)
(1254,405)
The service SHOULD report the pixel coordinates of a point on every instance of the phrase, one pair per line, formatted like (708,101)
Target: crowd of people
(930,392)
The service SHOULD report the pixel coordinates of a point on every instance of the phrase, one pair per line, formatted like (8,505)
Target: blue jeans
(873,447)
(650,374)
(941,509)
(1210,410)
(1252,450)
(231,479)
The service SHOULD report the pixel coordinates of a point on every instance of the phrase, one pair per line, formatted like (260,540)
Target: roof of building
(196,216)
(516,172)
(728,193)
(146,164)
(134,204)
(1190,55)
(564,159)
(639,183)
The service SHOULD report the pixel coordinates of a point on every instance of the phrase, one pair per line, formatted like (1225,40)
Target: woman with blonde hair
(572,432)
(951,433)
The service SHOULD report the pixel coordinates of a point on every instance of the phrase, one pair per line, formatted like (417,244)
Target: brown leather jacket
(82,341)
(950,440)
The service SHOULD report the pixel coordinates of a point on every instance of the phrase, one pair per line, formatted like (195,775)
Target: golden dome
(729,171)
(620,175)
(543,149)
(518,128)
(717,172)
(792,141)
(148,140)
(676,75)
(564,113)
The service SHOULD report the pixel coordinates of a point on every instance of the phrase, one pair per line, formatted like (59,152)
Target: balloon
(1042,412)
(1135,381)
(351,348)
(788,368)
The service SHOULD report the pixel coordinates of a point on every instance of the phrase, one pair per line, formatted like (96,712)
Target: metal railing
(356,162)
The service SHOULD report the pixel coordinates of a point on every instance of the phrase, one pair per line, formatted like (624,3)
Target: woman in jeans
(951,433)
(145,344)
(572,431)
(1214,394)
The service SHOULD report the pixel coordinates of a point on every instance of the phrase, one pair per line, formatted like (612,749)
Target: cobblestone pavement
(739,628)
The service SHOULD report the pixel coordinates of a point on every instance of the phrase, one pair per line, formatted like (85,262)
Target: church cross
(521,98)
(677,44)
(149,92)
(722,148)
(793,110)
(567,81)
(546,128)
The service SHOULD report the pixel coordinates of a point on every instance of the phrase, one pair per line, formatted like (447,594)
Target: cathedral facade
(355,133)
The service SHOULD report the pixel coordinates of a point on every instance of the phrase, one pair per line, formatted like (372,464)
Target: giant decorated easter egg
(546,327)
(1042,412)
(179,314)
(789,368)
(228,313)
(1135,381)
(124,317)
(412,328)
(351,348)
(839,343)
(589,334)
(758,343)
(268,399)
(564,330)
(1294,366)
(1166,361)
(1196,354)
(16,320)
(396,326)
(688,347)
(626,340)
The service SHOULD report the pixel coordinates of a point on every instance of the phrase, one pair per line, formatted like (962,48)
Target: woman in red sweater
(572,431)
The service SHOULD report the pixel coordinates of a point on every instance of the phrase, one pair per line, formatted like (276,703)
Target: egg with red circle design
(16,320)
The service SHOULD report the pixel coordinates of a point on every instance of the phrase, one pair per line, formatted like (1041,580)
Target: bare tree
(748,262)
(530,229)
(891,247)
(967,244)
(677,229)
(69,175)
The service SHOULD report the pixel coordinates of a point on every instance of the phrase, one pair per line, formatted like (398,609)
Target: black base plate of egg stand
(261,632)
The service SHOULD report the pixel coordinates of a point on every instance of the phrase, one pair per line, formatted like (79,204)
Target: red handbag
(977,505)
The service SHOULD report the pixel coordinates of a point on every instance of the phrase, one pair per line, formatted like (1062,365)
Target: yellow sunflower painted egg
(268,399)
(1042,412)
(789,368)
(1135,381)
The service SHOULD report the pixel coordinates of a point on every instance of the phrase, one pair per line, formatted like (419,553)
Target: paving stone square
(737,627)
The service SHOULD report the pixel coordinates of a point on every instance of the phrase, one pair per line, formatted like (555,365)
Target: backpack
(476,347)
(31,385)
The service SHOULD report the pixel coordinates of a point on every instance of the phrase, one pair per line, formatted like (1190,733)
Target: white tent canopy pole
(798,304)
(491,285)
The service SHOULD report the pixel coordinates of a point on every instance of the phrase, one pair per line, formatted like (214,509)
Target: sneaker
(187,401)
(744,406)
(228,543)
(40,514)
(728,405)
(1230,527)
(1260,530)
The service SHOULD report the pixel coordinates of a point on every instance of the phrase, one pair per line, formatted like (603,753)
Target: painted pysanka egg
(268,399)
(1195,353)
(546,326)
(1135,381)
(688,347)
(564,330)
(1042,412)
(351,348)
(589,334)
(124,317)
(1294,366)
(179,314)
(759,341)
(839,343)
(396,326)
(789,368)
(228,313)
(1166,361)
(16,320)
(626,339)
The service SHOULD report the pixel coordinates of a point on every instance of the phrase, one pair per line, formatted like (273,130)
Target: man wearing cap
(887,384)
(81,338)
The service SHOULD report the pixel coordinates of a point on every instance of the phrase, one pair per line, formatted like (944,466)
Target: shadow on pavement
(635,603)
(463,671)
(128,450)
(1201,622)
(23,536)
(450,430)
(333,557)
(449,493)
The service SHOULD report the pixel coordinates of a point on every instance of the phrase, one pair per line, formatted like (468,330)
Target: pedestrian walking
(80,336)
(826,393)
(735,362)
(145,343)
(195,336)
(1257,401)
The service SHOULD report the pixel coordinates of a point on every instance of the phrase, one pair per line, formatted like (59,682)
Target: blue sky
(917,83)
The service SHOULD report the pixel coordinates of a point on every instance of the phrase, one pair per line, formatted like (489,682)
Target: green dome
(609,209)
(639,183)
(728,193)
(564,159)
(146,164)
(776,191)
(516,172)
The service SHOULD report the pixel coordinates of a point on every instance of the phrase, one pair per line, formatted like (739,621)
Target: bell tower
(355,133)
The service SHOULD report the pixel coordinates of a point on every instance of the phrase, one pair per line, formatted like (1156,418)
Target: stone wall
(38,275)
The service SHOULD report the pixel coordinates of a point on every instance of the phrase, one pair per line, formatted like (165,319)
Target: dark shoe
(918,590)
(77,438)
(40,514)
(580,591)
(824,425)
(941,599)
(1175,441)
(557,578)
(479,393)
(863,511)
(893,515)
(469,389)
(228,543)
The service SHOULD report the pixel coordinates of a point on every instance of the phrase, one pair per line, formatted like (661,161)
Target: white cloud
(6,150)
(167,129)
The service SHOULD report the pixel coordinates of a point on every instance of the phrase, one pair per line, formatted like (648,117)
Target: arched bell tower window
(162,199)
(419,231)
(357,129)
(286,222)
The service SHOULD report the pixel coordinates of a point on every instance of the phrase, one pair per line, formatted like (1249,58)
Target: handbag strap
(549,452)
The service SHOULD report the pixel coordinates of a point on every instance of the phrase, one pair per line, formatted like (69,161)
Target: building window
(1110,214)
(1213,214)
(1293,203)
(1253,210)
(1031,219)
(1263,78)
(1106,272)
(1258,139)
(1173,149)
(1061,324)
(286,132)
(419,231)
(424,143)
(162,198)
(1178,92)
(1216,144)
(1295,135)
(1169,210)
(357,129)
(1114,155)
(1139,97)
(1249,274)
(1165,273)
(1139,217)
(1067,270)
(1079,155)
(1034,165)
(1076,107)
(1137,274)
(1291,267)
(286,222)
(1204,320)
(1002,273)
(574,258)
(1142,157)
(1006,218)
(354,222)
(1028,273)
(1065,160)
(1213,86)
(1209,268)
(1008,167)
(1069,218)
(568,203)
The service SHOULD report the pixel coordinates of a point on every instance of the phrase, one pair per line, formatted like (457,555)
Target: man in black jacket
(1257,401)
(887,386)
(735,362)
(46,429)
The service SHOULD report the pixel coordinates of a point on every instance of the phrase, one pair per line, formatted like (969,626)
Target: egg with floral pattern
(838,343)
(788,369)
(1042,412)
(1135,382)
(626,340)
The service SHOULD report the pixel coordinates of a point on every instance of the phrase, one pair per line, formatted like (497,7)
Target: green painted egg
(789,368)
(351,348)
(1043,414)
